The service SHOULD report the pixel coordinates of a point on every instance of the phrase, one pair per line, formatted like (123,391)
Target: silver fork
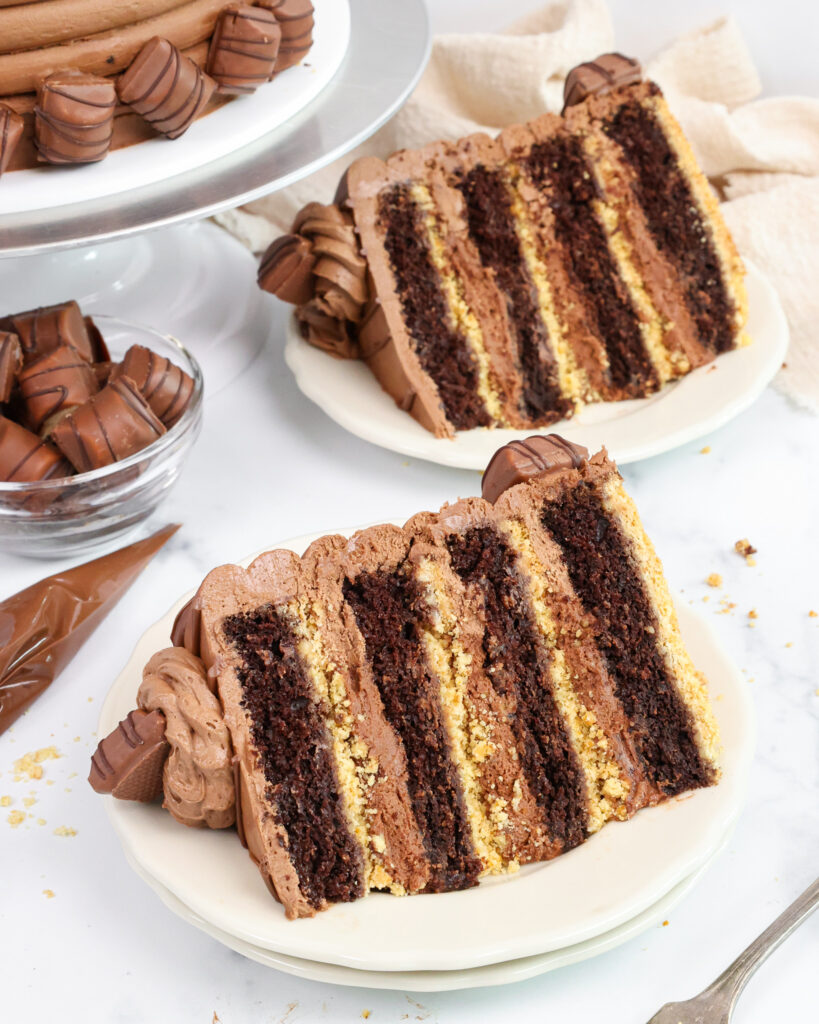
(716,1004)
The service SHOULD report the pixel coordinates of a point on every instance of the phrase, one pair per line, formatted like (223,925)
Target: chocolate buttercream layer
(492,227)
(675,220)
(43,626)
(520,671)
(626,627)
(558,168)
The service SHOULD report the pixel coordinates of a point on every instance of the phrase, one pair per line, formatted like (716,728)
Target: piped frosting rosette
(319,268)
(180,725)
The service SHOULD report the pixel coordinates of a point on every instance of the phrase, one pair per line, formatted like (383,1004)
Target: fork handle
(734,978)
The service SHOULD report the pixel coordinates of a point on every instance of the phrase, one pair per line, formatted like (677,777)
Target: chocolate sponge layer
(295,755)
(492,228)
(389,607)
(519,668)
(443,351)
(557,166)
(675,222)
(609,585)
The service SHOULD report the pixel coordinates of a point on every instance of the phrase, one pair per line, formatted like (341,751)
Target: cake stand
(191,279)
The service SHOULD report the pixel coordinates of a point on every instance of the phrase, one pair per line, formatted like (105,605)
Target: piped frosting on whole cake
(577,258)
(410,709)
(171,61)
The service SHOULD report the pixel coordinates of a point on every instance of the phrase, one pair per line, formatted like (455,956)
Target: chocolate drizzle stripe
(104,432)
(23,461)
(78,98)
(192,99)
(103,765)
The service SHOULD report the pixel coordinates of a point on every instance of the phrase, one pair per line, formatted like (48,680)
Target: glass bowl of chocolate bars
(96,419)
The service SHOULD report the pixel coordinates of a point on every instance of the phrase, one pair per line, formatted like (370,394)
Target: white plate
(609,880)
(440,981)
(227,129)
(681,412)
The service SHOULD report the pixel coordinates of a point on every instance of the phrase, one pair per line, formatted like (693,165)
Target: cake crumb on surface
(714,580)
(48,893)
(705,450)
(16,818)
(29,801)
(746,549)
(29,766)
(365,1014)
(789,643)
(5,801)
(813,615)
(752,614)
(665,924)
(65,830)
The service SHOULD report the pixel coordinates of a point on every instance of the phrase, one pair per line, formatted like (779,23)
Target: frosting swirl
(198,774)
(318,267)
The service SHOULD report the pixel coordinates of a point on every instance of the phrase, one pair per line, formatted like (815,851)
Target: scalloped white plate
(505,973)
(227,129)
(681,412)
(609,880)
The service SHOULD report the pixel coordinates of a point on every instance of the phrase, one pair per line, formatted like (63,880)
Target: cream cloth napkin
(761,155)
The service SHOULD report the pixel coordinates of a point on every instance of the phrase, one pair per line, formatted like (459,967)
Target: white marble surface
(268,466)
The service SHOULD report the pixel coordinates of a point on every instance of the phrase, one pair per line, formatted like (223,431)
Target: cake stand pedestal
(193,280)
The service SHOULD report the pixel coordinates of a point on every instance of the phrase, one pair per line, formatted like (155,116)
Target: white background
(269,466)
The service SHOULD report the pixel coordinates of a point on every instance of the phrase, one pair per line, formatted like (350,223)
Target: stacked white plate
(620,882)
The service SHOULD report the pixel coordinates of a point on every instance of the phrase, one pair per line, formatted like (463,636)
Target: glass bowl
(54,518)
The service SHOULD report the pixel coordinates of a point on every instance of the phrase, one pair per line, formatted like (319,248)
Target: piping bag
(43,626)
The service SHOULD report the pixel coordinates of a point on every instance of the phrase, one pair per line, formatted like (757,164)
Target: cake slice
(410,709)
(576,258)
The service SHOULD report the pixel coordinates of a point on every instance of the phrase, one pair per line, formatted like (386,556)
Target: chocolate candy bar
(243,49)
(109,427)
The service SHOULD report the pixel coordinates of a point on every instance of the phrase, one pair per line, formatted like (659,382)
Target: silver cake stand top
(389,47)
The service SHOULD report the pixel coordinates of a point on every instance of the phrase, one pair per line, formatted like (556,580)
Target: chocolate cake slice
(576,258)
(410,709)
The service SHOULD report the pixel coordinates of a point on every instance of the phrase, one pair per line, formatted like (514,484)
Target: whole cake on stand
(78,78)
